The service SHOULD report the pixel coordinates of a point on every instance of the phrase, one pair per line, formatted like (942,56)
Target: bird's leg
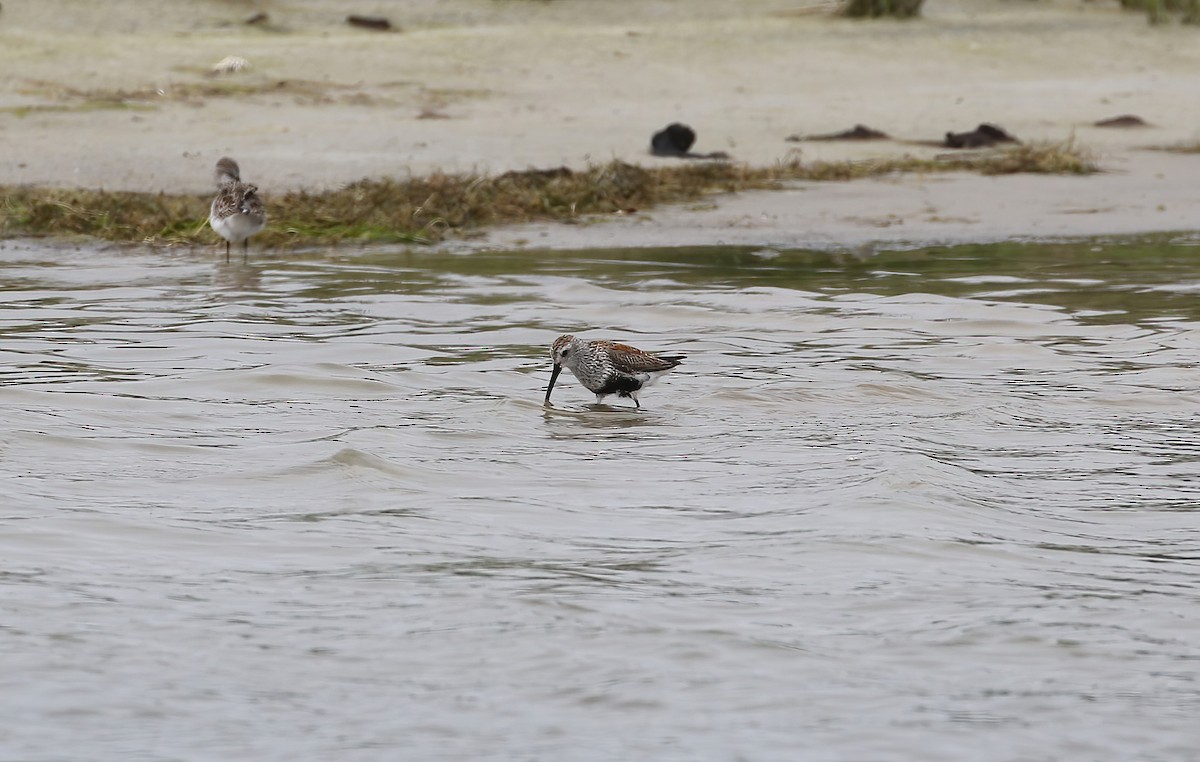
(245,249)
(227,251)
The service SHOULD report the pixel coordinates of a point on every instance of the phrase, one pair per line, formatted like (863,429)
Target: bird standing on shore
(237,212)
(606,367)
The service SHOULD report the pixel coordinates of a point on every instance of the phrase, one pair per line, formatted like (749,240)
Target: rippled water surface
(925,505)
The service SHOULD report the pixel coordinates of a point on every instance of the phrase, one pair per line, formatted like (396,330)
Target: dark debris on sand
(983,136)
(676,140)
(1123,121)
(375,23)
(857,132)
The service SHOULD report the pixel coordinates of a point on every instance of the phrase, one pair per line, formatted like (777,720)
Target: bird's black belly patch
(620,385)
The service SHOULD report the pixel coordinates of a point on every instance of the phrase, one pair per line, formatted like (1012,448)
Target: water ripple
(932,504)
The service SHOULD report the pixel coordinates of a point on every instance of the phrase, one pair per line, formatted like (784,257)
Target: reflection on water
(927,504)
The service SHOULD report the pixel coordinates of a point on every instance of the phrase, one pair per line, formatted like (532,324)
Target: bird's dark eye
(566,352)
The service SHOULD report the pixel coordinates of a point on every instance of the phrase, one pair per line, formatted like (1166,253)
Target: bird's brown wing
(633,360)
(250,203)
(237,198)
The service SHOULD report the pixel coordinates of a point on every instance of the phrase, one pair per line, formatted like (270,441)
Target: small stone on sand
(376,23)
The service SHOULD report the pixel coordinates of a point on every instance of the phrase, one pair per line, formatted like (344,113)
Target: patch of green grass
(308,92)
(1047,158)
(304,91)
(1163,11)
(1192,147)
(428,209)
(902,9)
(21,112)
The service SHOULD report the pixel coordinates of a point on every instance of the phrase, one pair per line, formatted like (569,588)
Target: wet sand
(1141,192)
(116,95)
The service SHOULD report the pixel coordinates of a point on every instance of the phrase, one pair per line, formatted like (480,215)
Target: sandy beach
(119,96)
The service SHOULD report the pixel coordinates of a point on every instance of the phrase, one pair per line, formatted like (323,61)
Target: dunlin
(237,212)
(606,367)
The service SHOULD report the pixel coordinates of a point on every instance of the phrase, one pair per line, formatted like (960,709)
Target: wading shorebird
(237,212)
(606,367)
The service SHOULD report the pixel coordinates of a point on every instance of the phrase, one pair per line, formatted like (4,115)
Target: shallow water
(936,505)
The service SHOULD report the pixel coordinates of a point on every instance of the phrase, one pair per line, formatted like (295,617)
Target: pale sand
(526,83)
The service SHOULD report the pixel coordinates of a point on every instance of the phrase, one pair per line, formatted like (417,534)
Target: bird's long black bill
(553,378)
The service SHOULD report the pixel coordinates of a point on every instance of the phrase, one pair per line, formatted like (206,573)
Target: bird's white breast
(236,227)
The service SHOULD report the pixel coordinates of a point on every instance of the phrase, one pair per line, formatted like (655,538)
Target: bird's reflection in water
(575,421)
(237,276)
